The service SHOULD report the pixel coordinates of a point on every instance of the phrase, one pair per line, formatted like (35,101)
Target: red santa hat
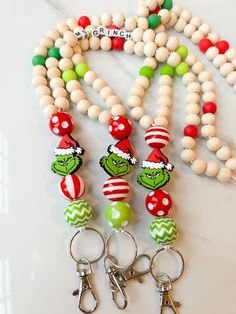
(157,160)
(68,146)
(124,150)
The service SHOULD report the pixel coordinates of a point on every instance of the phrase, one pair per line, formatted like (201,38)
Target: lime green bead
(154,21)
(167,70)
(69,75)
(168,5)
(118,214)
(54,52)
(147,71)
(164,230)
(78,213)
(182,68)
(81,69)
(38,60)
(182,51)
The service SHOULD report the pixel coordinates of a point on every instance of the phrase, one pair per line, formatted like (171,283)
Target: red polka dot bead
(158,203)
(84,21)
(209,107)
(222,46)
(191,130)
(205,44)
(116,189)
(157,137)
(61,123)
(118,43)
(120,127)
(71,187)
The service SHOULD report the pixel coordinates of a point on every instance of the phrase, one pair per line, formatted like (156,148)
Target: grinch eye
(69,159)
(157,175)
(61,163)
(122,164)
(148,176)
(114,162)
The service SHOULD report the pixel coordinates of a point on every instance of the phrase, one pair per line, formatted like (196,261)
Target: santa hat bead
(120,127)
(158,203)
(71,187)
(116,189)
(124,150)
(157,137)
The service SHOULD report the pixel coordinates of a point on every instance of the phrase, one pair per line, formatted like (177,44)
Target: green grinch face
(153,178)
(66,164)
(115,166)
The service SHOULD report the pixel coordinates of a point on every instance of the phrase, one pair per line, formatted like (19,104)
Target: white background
(36,273)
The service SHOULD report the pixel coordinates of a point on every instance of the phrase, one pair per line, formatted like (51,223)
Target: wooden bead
(39,81)
(139,49)
(46,101)
(165,16)
(98,84)
(230,54)
(204,76)
(65,64)
(112,101)
(188,142)
(143,81)
(211,53)
(173,59)
(214,37)
(196,21)
(104,117)
(224,153)
(90,77)
(94,43)
(231,78)
(205,29)
(161,39)
(70,38)
(105,92)
(180,25)
(189,29)
(118,110)
(177,9)
(219,60)
(165,80)
(199,166)
(66,51)
(137,34)
(172,43)
(73,85)
(231,164)
(42,91)
(77,95)
(164,112)
(39,70)
(129,47)
(59,92)
(149,35)
(161,121)
(62,28)
(173,19)
(94,112)
(72,23)
(165,91)
(84,44)
(209,97)
(49,110)
(186,14)
(188,155)
(62,103)
(152,4)
(83,106)
(146,122)
(208,118)
(224,175)
(51,63)
(212,169)
(226,69)
(188,78)
(194,87)
(160,29)
(53,72)
(106,43)
(95,21)
(208,131)
(193,98)
(134,101)
(130,24)
(198,67)
(164,101)
(59,43)
(191,59)
(137,90)
(77,58)
(41,50)
(149,49)
(48,42)
(143,11)
(119,20)
(162,54)
(197,37)
(192,108)
(137,113)
(77,49)
(214,144)
(53,34)
(106,19)
(151,62)
(208,86)
(192,119)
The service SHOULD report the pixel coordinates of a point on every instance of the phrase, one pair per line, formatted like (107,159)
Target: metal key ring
(113,233)
(156,276)
(81,260)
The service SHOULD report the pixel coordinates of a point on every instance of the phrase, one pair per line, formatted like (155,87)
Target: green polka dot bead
(168,5)
(78,213)
(182,51)
(167,70)
(182,68)
(118,214)
(54,52)
(164,230)
(38,60)
(154,21)
(81,69)
(147,71)
(69,75)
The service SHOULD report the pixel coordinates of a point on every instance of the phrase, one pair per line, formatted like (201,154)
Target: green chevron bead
(78,213)
(164,230)
(118,214)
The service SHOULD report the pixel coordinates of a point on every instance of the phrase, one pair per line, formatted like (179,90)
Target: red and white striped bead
(116,189)
(71,187)
(157,137)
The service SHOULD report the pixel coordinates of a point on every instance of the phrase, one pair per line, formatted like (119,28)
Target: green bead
(38,60)
(182,51)
(168,5)
(81,69)
(154,21)
(118,214)
(78,213)
(69,75)
(147,71)
(164,230)
(167,70)
(54,52)
(182,68)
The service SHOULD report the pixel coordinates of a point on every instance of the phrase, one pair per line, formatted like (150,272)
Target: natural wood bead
(62,103)
(211,53)
(72,23)
(84,44)
(164,112)
(160,29)
(39,70)
(208,118)
(193,98)
(46,101)
(53,72)
(162,54)
(143,23)
(219,60)
(224,153)
(39,81)
(94,112)
(165,16)
(214,37)
(90,77)
(196,37)
(137,90)
(188,78)
(143,81)
(173,59)
(173,19)
(119,20)
(192,108)
(149,35)
(205,29)
(137,113)
(208,131)
(189,29)
(231,164)
(70,38)
(42,91)
(77,95)
(199,166)
(105,92)
(214,144)
(49,110)
(46,42)
(137,34)
(106,19)
(161,39)
(165,91)
(165,80)
(177,9)
(59,42)
(65,64)
(151,62)
(83,106)
(188,142)
(149,49)
(104,117)
(208,86)
(198,67)
(186,14)
(231,78)
(94,43)
(139,49)
(59,92)
(106,43)
(66,51)
(180,25)
(95,21)
(53,34)
(51,63)
(129,47)
(188,155)
(224,175)
(98,84)
(161,121)
(209,97)
(192,119)
(134,101)
(77,49)
(130,23)
(212,169)
(226,69)
(152,4)
(196,21)
(204,76)
(62,28)
(172,43)
(41,50)
(143,11)
(146,122)
(56,82)
(73,85)
(77,59)
(118,110)
(191,59)
(112,101)
(164,101)
(194,87)
(230,54)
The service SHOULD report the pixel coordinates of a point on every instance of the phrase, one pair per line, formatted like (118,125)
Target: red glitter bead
(84,21)
(205,44)
(61,123)
(209,107)
(120,127)
(223,46)
(158,203)
(191,130)
(118,43)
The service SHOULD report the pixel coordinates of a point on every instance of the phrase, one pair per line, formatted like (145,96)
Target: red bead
(120,127)
(158,203)
(191,130)
(112,26)
(118,43)
(222,46)
(116,189)
(157,137)
(71,187)
(61,123)
(84,21)
(205,44)
(156,11)
(209,107)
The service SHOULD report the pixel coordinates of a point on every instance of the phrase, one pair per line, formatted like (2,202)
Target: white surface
(36,274)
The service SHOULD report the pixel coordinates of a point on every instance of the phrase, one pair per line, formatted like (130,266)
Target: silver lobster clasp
(135,273)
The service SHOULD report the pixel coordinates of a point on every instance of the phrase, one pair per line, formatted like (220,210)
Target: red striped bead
(71,187)
(157,137)
(116,189)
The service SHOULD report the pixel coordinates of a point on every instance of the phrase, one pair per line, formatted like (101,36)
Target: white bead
(48,42)
(65,64)
(226,69)
(143,23)
(161,39)
(42,91)
(212,169)
(188,78)
(231,78)
(164,101)
(106,19)
(77,95)
(188,142)
(199,166)
(84,44)
(39,70)
(139,49)
(77,59)
(152,4)
(72,23)
(105,92)
(53,72)
(192,119)
(151,62)
(165,16)
(161,121)
(105,43)
(205,29)
(191,59)
(177,9)
(53,34)
(143,11)
(208,131)
(189,30)
(186,14)
(41,50)
(149,49)
(66,51)
(224,153)
(208,86)
(129,47)
(213,144)
(148,35)
(130,24)
(188,155)
(193,98)
(231,164)
(95,21)
(119,20)
(165,80)
(173,19)
(143,81)
(90,77)
(219,60)
(112,101)
(197,36)
(72,85)
(98,84)
(70,38)
(104,117)
(94,43)
(49,110)
(198,67)
(174,59)
(211,53)
(209,96)
(172,43)
(214,37)
(164,112)
(230,54)
(162,54)
(94,112)
(46,101)
(224,175)
(137,34)
(146,121)
(59,92)
(134,101)
(165,91)
(204,76)
(137,90)
(51,63)
(194,87)
(196,21)
(208,118)
(83,106)
(137,113)
(118,110)
(39,81)
(192,108)
(62,103)
(180,25)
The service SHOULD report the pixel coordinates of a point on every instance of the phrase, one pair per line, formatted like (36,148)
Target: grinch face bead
(118,214)
(71,187)
(61,123)
(78,213)
(67,154)
(164,231)
(158,203)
